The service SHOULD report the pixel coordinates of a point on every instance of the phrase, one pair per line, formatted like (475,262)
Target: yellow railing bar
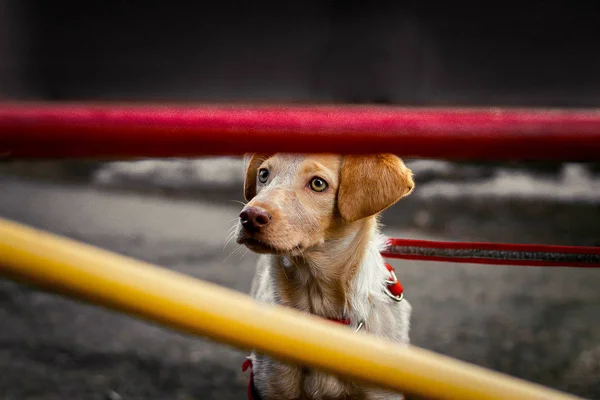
(202,308)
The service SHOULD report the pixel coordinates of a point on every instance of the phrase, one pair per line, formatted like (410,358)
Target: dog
(313,220)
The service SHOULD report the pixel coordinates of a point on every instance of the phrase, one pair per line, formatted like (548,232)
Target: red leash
(494,253)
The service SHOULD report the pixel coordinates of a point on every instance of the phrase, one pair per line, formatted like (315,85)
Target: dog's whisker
(232,233)
(233,252)
(227,241)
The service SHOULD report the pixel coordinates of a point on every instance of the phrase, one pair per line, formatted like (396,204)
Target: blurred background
(542,325)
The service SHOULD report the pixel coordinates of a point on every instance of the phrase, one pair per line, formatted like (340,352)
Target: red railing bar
(61,130)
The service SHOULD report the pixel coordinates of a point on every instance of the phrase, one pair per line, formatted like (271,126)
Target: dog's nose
(254,218)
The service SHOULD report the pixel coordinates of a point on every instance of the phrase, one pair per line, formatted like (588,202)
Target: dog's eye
(263,175)
(318,184)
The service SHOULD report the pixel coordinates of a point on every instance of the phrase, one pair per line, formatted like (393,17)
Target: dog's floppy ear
(370,184)
(252,162)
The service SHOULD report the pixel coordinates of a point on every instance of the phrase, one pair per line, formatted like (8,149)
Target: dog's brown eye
(263,175)
(318,184)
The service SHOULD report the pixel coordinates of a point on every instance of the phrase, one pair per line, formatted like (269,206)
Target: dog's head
(296,202)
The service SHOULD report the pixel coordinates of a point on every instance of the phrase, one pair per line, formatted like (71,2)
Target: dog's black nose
(254,218)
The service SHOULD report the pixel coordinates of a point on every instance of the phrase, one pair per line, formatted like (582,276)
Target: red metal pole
(58,130)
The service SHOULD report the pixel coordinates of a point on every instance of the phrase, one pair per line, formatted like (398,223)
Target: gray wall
(414,53)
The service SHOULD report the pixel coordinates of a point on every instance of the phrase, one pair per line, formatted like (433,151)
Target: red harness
(394,289)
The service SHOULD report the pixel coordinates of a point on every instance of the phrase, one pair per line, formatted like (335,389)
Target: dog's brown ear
(370,184)
(252,162)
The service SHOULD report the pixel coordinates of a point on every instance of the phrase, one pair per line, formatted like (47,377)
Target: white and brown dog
(313,219)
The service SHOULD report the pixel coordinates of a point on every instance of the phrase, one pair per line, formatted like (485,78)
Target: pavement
(542,325)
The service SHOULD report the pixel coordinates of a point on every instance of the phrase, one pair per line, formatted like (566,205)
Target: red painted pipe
(51,130)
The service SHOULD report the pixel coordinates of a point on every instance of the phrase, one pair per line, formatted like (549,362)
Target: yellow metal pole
(201,308)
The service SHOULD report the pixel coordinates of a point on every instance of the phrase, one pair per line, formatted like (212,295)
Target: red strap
(395,288)
(345,321)
(248,364)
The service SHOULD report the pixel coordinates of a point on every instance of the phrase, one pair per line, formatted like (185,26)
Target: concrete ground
(542,325)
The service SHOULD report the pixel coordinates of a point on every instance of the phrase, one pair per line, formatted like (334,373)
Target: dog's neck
(338,279)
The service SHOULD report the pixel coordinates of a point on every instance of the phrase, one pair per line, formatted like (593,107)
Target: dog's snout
(254,218)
